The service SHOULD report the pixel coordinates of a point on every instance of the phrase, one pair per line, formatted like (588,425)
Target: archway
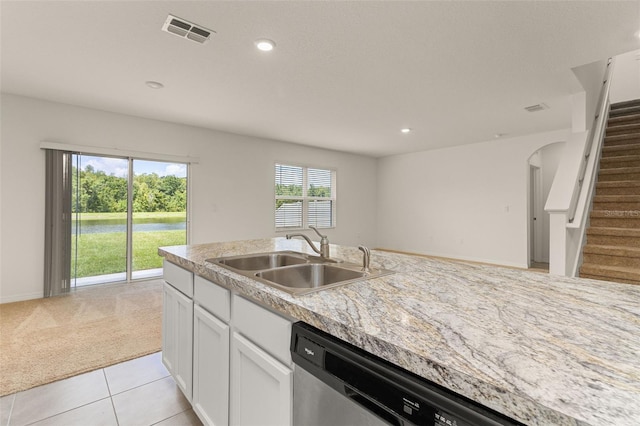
(542,166)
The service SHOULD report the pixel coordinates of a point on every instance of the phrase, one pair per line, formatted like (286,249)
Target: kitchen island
(544,350)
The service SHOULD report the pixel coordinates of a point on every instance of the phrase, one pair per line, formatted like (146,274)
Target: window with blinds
(304,196)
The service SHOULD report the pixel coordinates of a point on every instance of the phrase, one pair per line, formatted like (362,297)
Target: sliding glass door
(159,213)
(99,219)
(123,209)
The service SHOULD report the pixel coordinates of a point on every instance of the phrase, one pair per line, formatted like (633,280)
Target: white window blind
(304,196)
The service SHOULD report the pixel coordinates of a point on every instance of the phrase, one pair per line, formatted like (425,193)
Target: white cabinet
(179,278)
(261,373)
(177,337)
(268,330)
(234,366)
(169,345)
(211,330)
(261,386)
(210,367)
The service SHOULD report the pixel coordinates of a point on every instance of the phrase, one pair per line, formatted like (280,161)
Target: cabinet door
(177,335)
(169,295)
(210,368)
(261,386)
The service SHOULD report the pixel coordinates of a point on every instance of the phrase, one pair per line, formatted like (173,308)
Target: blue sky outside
(119,166)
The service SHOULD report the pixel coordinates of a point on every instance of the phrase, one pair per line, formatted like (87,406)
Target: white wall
(625,84)
(467,202)
(590,78)
(550,156)
(1,238)
(231,192)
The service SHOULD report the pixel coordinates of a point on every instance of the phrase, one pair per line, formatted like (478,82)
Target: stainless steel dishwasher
(336,384)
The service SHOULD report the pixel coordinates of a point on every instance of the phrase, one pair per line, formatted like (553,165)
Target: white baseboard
(21,297)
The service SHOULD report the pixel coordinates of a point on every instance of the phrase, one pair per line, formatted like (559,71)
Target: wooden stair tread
(623,119)
(629,204)
(618,170)
(617,190)
(629,162)
(619,184)
(627,269)
(622,251)
(620,158)
(616,112)
(611,198)
(625,104)
(625,128)
(606,272)
(615,214)
(625,147)
(621,139)
(613,232)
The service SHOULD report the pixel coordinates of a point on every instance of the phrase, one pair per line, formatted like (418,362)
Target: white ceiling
(344,75)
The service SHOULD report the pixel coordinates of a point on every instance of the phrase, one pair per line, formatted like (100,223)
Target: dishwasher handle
(371,405)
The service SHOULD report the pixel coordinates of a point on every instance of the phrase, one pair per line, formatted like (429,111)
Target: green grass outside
(105,253)
(137,215)
(145,247)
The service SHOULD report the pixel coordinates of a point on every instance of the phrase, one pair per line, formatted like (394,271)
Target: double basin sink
(297,273)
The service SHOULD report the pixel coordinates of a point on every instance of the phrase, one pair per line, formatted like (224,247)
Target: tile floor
(139,392)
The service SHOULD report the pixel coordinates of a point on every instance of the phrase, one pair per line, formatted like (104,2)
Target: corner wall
(231,187)
(625,83)
(468,202)
(550,159)
(590,78)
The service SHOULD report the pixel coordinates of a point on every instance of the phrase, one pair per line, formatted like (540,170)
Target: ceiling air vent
(536,107)
(186,29)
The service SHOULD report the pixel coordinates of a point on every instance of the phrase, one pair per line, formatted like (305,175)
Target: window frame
(304,197)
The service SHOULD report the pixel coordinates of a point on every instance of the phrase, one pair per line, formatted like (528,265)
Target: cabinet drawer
(213,298)
(267,329)
(178,277)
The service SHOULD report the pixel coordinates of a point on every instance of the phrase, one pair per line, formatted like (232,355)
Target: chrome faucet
(324,242)
(366,258)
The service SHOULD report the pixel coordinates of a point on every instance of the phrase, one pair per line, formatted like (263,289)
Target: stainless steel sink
(296,273)
(261,261)
(309,275)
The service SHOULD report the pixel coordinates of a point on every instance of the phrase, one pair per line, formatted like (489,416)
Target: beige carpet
(45,340)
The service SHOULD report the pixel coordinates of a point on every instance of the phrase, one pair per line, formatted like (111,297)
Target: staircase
(612,252)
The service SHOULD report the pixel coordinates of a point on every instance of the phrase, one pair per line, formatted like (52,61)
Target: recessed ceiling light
(405,130)
(265,45)
(154,84)
(499,135)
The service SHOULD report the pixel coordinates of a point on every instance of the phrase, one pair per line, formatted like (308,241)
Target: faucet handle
(366,258)
(324,243)
(317,232)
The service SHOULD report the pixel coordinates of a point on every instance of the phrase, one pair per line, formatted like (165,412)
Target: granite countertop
(542,349)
